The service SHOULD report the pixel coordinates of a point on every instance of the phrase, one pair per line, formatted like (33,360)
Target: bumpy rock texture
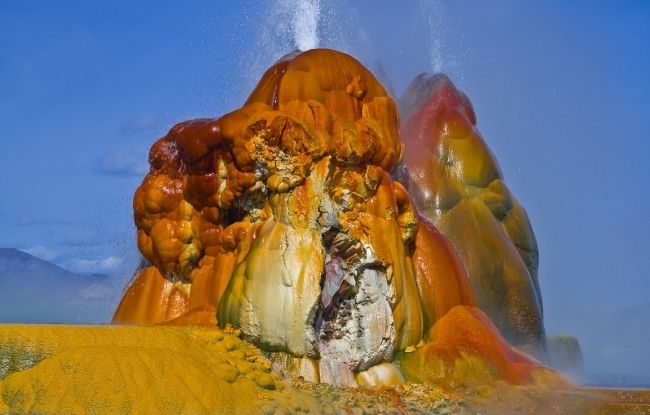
(137,370)
(170,370)
(282,219)
(457,185)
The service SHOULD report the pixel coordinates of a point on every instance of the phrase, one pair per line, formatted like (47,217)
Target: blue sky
(561,91)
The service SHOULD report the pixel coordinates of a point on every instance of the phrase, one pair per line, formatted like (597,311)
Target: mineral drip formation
(302,221)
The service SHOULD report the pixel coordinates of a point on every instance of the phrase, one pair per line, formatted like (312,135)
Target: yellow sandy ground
(58,369)
(153,370)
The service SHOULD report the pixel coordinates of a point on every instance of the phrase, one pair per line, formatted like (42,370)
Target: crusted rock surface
(57,369)
(286,219)
(457,185)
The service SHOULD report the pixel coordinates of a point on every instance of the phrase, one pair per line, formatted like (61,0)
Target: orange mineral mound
(189,209)
(465,347)
(282,219)
(442,280)
(457,186)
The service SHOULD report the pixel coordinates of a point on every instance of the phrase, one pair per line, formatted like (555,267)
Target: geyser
(457,185)
(291,220)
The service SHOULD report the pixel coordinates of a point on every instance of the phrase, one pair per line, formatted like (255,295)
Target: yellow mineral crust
(56,369)
(137,370)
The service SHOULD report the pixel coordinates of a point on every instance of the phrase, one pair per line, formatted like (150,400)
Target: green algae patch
(14,358)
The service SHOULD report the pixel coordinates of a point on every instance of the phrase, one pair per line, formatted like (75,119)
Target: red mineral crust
(458,187)
(282,219)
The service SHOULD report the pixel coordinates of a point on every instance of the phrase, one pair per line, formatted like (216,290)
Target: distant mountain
(637,316)
(36,291)
(616,347)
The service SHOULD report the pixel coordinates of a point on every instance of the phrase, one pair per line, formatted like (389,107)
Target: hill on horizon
(615,347)
(33,290)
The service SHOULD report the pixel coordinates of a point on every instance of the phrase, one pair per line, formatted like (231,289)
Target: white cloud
(48,222)
(43,253)
(122,163)
(96,291)
(146,125)
(90,266)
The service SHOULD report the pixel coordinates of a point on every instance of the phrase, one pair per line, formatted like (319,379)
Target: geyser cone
(283,220)
(457,185)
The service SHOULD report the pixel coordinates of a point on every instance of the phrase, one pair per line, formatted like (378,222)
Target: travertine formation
(457,185)
(62,369)
(287,219)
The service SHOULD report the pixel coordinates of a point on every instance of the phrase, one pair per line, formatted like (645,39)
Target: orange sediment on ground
(461,344)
